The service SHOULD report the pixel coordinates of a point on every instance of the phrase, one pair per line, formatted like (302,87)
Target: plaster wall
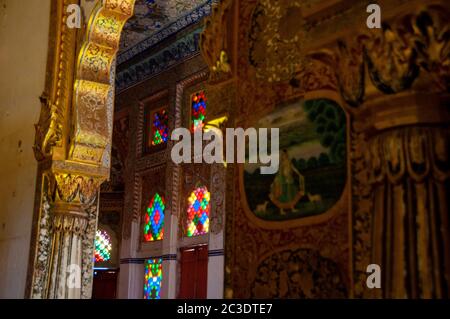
(24,26)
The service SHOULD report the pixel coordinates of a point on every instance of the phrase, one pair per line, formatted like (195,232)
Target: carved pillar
(75,211)
(401,163)
(73,146)
(63,259)
(68,229)
(407,161)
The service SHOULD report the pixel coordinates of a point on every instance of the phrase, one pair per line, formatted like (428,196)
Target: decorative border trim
(138,261)
(173,54)
(142,260)
(216,252)
(178,122)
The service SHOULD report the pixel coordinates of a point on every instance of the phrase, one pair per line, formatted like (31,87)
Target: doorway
(194,272)
(105,284)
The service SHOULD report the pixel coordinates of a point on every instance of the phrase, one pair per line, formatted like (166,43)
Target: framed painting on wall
(312,162)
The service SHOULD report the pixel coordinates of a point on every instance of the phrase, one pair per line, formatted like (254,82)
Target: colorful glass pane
(160,127)
(153,278)
(198,212)
(154,219)
(102,246)
(198,110)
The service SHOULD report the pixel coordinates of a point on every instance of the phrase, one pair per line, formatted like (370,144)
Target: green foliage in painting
(311,180)
(330,124)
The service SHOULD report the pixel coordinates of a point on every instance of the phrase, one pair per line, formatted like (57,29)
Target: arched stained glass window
(153,278)
(198,212)
(103,246)
(154,219)
(198,112)
(160,127)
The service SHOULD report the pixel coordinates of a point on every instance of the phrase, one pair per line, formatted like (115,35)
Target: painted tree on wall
(154,219)
(198,111)
(198,212)
(330,123)
(153,278)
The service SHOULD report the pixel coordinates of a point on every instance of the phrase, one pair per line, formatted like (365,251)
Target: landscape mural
(312,171)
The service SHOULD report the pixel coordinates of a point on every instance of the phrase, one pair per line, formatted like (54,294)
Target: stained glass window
(160,127)
(154,219)
(102,246)
(153,278)
(198,212)
(198,110)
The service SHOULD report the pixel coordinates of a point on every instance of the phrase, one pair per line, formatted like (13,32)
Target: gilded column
(408,175)
(69,227)
(396,83)
(63,260)
(73,145)
(74,219)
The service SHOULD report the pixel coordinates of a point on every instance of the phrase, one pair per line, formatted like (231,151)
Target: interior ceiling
(151,16)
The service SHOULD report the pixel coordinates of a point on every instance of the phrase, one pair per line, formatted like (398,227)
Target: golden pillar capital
(385,112)
(401,163)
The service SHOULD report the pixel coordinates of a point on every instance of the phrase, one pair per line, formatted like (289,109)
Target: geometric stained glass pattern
(154,219)
(198,212)
(102,246)
(153,278)
(198,110)
(160,127)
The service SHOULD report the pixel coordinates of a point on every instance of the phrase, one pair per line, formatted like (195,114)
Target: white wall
(24,26)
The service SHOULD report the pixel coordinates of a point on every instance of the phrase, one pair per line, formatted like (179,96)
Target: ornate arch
(93,84)
(73,138)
